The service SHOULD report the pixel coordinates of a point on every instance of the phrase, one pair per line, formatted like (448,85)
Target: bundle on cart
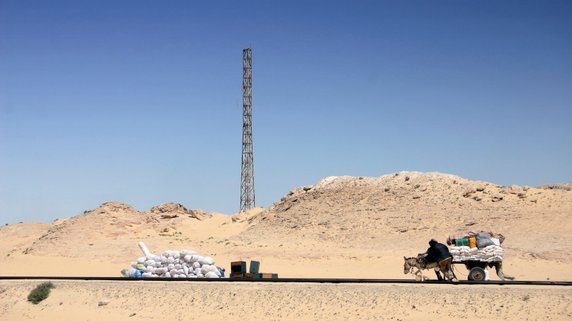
(479,250)
(477,246)
(478,239)
(491,253)
(173,264)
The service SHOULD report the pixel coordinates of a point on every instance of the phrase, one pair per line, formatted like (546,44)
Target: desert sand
(207,301)
(354,227)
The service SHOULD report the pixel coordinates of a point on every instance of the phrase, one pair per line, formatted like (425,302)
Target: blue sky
(140,101)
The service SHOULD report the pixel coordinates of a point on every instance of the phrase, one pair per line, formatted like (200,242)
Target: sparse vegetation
(40,293)
(386,189)
(406,178)
(526,297)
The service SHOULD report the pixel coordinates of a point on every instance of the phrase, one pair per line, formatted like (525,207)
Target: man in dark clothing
(439,255)
(437,252)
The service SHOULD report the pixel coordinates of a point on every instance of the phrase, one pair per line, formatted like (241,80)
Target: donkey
(421,264)
(418,263)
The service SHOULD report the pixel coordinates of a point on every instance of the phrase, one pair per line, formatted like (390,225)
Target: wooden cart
(477,268)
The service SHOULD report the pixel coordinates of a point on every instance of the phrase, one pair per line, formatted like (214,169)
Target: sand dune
(339,227)
(339,219)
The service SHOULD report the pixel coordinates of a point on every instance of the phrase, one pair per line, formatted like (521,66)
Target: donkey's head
(408,264)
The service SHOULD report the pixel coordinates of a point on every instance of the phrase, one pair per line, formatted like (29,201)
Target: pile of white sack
(173,264)
(491,253)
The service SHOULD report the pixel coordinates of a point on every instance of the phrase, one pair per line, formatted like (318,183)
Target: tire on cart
(477,274)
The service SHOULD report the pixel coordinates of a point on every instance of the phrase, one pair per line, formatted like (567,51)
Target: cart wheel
(477,274)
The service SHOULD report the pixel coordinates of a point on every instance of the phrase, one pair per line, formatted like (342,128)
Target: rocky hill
(399,209)
(395,214)
(110,225)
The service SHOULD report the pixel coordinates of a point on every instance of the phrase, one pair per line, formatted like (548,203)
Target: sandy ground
(289,266)
(350,227)
(208,301)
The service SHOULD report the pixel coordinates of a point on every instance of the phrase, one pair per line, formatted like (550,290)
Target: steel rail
(289,280)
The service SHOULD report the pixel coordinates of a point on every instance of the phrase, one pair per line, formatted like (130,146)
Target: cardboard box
(242,276)
(268,275)
(238,267)
(254,267)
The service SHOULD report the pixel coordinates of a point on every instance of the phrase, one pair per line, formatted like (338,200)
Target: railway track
(289,280)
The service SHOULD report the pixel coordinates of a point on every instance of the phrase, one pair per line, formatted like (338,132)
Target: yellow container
(472,241)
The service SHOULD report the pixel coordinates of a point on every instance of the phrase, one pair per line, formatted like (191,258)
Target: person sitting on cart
(439,256)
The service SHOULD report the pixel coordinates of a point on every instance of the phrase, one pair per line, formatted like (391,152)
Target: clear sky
(140,101)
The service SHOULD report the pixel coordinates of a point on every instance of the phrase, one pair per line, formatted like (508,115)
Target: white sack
(144,249)
(188,252)
(206,260)
(211,275)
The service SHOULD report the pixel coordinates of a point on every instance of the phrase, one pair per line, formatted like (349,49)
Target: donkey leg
(500,273)
(438,274)
(419,275)
(423,278)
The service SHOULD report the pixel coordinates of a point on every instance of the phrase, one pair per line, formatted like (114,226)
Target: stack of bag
(463,253)
(477,246)
(173,264)
(491,253)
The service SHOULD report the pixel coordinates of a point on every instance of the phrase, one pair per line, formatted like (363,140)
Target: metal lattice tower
(247,196)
